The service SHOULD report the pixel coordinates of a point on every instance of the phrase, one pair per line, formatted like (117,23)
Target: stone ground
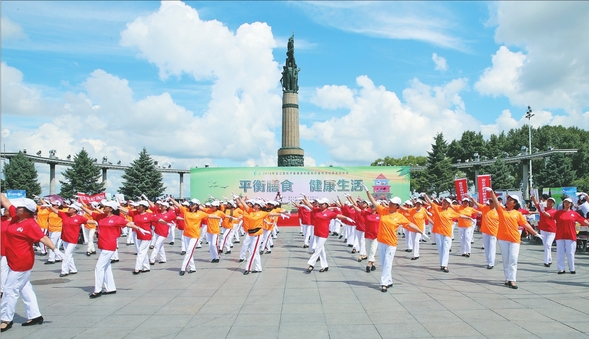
(218,301)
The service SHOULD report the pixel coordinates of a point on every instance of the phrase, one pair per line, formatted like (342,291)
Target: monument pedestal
(291,154)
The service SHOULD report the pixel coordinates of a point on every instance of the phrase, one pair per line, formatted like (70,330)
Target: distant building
(381,184)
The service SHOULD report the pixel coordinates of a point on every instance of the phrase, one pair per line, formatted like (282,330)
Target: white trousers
(183,243)
(443,243)
(415,238)
(131,235)
(55,239)
(319,253)
(172,233)
(213,246)
(306,233)
(387,255)
(188,261)
(103,273)
(408,240)
(142,261)
(253,262)
(360,243)
(547,239)
(158,249)
(68,265)
(351,235)
(266,241)
(567,247)
(371,247)
(226,240)
(244,247)
(42,247)
(18,284)
(465,234)
(490,244)
(89,236)
(235,235)
(3,272)
(203,234)
(509,253)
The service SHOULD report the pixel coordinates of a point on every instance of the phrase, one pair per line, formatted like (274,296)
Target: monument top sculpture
(290,71)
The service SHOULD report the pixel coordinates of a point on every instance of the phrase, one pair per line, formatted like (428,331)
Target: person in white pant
(362,209)
(372,223)
(443,217)
(18,236)
(508,234)
(193,218)
(566,235)
(110,224)
(465,226)
(305,220)
(489,226)
(162,211)
(547,226)
(54,227)
(145,221)
(89,230)
(417,215)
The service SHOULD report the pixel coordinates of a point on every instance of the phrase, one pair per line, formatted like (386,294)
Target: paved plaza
(218,301)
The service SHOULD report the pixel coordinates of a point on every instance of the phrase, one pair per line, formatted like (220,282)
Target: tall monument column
(291,153)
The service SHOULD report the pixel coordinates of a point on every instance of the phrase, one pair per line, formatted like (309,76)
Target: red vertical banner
(461,188)
(483,182)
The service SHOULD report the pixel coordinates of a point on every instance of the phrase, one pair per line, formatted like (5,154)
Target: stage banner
(86,198)
(267,183)
(461,186)
(483,181)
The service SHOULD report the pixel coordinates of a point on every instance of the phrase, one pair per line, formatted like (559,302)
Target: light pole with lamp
(529,116)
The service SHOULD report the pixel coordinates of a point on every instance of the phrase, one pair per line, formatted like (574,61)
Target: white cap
(76,206)
(143,203)
(465,199)
(408,202)
(216,203)
(258,202)
(396,200)
(185,203)
(514,197)
(568,199)
(551,198)
(323,201)
(163,203)
(112,204)
(448,200)
(56,202)
(94,204)
(195,201)
(27,203)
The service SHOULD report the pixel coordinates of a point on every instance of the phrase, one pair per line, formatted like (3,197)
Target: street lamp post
(529,116)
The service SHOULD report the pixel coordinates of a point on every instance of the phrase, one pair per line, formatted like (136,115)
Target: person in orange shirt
(417,215)
(193,217)
(443,217)
(89,230)
(508,235)
(213,229)
(43,221)
(390,220)
(54,227)
(489,225)
(232,218)
(465,226)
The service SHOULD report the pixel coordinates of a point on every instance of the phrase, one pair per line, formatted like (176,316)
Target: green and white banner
(315,182)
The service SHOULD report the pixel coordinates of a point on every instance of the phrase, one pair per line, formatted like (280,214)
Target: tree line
(558,170)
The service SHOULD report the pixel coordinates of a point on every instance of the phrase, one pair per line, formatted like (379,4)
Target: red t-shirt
(322,220)
(109,230)
(4,227)
(372,221)
(565,224)
(548,224)
(145,221)
(350,213)
(164,229)
(179,223)
(71,226)
(20,237)
(304,215)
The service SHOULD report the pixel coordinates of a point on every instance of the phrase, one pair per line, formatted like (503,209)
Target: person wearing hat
(89,230)
(361,209)
(323,217)
(110,226)
(54,227)
(145,221)
(232,218)
(417,215)
(508,235)
(193,217)
(71,224)
(161,211)
(489,226)
(43,221)
(547,226)
(566,235)
(17,239)
(371,223)
(390,220)
(465,226)
(443,217)
(214,219)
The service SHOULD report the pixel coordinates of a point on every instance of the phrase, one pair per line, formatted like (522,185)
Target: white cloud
(11,30)
(552,69)
(333,97)
(440,62)
(428,22)
(379,124)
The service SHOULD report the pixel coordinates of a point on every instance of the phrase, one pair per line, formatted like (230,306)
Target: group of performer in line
(368,225)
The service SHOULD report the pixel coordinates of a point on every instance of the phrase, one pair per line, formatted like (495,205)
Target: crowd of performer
(368,226)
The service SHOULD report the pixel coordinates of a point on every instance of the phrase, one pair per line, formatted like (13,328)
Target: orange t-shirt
(55,222)
(389,222)
(43,217)
(89,226)
(255,220)
(489,220)
(213,224)
(467,212)
(230,222)
(418,218)
(192,222)
(508,224)
(443,220)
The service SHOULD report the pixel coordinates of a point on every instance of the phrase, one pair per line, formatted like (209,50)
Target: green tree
(500,175)
(20,174)
(439,175)
(581,184)
(142,177)
(558,172)
(83,176)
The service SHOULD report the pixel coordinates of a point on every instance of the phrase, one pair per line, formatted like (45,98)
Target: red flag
(484,181)
(461,188)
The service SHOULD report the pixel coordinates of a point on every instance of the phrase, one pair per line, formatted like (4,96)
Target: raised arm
(5,202)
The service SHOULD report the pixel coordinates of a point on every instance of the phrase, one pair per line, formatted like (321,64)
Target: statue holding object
(290,71)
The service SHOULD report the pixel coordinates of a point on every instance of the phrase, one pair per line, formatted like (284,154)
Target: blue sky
(198,82)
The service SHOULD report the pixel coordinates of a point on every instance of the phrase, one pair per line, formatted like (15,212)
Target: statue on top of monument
(290,71)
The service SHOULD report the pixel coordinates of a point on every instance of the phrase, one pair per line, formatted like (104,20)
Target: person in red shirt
(362,210)
(161,230)
(18,237)
(372,222)
(323,216)
(110,225)
(305,219)
(547,226)
(145,221)
(566,234)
